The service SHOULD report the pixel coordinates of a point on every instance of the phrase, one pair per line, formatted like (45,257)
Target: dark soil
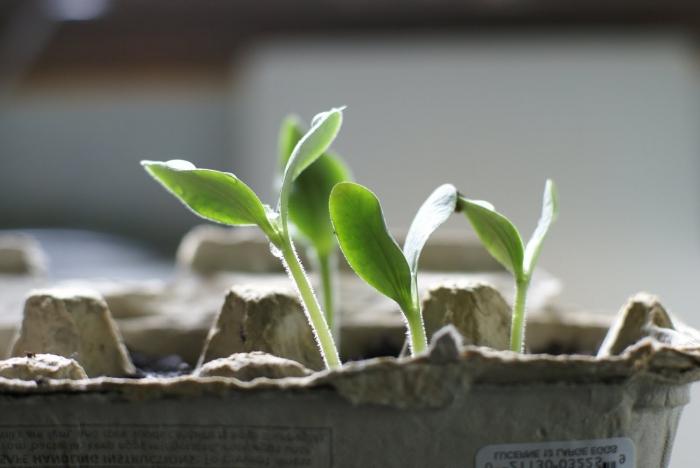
(171,365)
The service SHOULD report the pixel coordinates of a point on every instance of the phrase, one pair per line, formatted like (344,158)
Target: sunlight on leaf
(550,211)
(309,148)
(217,196)
(500,238)
(436,209)
(366,243)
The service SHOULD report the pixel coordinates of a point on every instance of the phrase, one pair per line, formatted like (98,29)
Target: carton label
(158,445)
(598,453)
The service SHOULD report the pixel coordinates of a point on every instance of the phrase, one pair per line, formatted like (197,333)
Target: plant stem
(416,330)
(517,328)
(322,332)
(326,268)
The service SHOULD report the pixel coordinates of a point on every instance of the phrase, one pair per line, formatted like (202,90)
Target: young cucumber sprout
(222,197)
(503,242)
(374,254)
(308,210)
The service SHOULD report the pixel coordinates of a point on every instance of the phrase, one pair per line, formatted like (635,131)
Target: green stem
(322,332)
(326,269)
(517,328)
(414,320)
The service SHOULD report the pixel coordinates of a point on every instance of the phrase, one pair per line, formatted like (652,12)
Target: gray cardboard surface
(454,407)
(437,410)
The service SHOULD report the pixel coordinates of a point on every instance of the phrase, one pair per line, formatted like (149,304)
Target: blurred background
(491,95)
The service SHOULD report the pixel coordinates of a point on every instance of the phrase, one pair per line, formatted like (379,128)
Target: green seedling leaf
(435,210)
(503,241)
(308,199)
(217,196)
(223,198)
(366,243)
(500,238)
(290,133)
(309,148)
(314,143)
(550,211)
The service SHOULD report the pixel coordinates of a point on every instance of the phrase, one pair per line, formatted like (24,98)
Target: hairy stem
(322,332)
(416,327)
(517,328)
(326,270)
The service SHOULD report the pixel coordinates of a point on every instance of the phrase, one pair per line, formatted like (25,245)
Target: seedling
(374,254)
(223,198)
(502,240)
(308,209)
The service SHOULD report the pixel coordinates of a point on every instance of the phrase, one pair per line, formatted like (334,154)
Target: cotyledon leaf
(217,196)
(325,127)
(366,243)
(308,198)
(290,134)
(500,238)
(436,209)
(550,211)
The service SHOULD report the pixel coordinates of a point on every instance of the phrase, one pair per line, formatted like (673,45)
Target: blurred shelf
(209,31)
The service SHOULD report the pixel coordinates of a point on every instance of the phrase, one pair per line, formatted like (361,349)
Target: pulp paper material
(439,410)
(477,310)
(261,319)
(76,324)
(209,249)
(175,318)
(41,366)
(253,365)
(21,255)
(157,318)
(558,331)
(644,316)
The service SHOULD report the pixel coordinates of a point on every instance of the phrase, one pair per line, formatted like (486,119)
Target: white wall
(70,151)
(612,119)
